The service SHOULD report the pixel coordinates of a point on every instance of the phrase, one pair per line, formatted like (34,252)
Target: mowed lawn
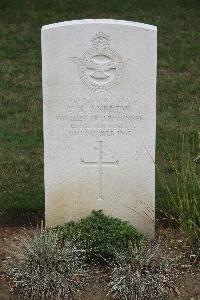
(21,137)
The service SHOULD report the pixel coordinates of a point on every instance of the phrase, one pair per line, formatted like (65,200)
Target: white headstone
(99,93)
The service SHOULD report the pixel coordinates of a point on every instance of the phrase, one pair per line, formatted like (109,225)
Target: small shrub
(101,236)
(41,268)
(147,274)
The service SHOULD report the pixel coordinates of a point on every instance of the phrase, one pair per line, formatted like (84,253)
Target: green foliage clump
(101,236)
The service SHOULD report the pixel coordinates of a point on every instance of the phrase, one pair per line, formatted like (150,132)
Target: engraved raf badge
(100,67)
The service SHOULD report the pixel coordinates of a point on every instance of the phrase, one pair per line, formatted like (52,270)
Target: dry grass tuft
(148,274)
(41,267)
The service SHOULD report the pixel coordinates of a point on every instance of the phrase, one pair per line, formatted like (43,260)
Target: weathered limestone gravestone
(99,94)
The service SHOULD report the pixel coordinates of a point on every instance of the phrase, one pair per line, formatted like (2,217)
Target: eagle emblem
(100,67)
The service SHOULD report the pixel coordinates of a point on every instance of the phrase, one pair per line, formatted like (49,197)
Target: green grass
(178,191)
(21,144)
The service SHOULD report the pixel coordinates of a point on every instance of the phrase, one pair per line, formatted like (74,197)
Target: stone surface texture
(99,96)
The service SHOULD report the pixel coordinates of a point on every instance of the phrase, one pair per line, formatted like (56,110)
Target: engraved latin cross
(100,164)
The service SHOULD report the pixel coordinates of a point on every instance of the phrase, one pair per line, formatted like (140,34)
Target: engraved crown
(100,39)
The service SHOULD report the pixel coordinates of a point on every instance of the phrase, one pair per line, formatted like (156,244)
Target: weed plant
(147,274)
(40,267)
(101,236)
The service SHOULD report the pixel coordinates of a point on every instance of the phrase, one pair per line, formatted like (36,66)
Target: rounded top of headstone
(100,21)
